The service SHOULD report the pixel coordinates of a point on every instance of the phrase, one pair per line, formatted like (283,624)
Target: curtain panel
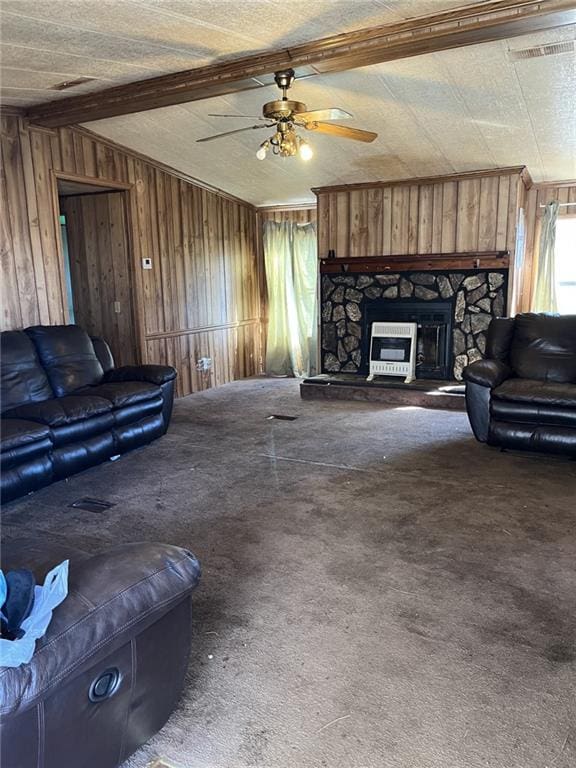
(544,298)
(291,263)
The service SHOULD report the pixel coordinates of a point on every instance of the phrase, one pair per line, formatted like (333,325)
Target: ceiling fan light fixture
(263,150)
(305,151)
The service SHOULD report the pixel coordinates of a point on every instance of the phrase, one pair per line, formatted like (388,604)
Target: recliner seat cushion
(68,356)
(61,411)
(544,347)
(22,378)
(25,455)
(70,418)
(123,393)
(549,393)
(532,413)
(131,413)
(15,433)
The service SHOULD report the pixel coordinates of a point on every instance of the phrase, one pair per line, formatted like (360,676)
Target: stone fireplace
(452,309)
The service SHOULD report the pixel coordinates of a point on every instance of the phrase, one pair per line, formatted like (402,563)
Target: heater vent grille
(552,49)
(394,330)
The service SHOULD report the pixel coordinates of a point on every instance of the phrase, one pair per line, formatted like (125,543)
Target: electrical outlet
(117,307)
(146,263)
(203,364)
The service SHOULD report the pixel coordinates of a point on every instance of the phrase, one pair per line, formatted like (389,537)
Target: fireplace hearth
(452,310)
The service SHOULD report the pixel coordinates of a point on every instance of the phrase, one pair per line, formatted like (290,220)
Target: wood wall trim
(513,170)
(470,25)
(555,184)
(93,182)
(204,329)
(296,207)
(417,262)
(526,178)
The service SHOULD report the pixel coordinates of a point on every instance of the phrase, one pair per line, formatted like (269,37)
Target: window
(566,264)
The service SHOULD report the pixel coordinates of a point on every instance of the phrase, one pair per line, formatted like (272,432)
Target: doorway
(97,264)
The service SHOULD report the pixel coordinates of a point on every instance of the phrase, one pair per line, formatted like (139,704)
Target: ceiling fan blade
(342,131)
(324,114)
(249,117)
(229,133)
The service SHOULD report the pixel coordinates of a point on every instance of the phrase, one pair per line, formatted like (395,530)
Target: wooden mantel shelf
(417,262)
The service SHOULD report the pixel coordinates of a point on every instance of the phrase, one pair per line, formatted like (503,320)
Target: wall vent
(551,49)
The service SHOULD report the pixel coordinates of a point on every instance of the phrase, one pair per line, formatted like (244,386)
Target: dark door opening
(97,265)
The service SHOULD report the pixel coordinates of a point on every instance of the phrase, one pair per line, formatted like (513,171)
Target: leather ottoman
(111,667)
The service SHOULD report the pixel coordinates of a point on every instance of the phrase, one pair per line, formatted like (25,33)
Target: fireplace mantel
(430,262)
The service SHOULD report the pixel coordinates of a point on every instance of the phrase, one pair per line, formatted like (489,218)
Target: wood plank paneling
(474,214)
(203,296)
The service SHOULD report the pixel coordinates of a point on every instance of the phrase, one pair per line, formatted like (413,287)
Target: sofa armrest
(112,596)
(154,374)
(487,373)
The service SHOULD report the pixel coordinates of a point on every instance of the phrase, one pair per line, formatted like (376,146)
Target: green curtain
(290,255)
(545,299)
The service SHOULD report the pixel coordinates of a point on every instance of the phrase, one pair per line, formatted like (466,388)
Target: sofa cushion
(61,411)
(22,378)
(499,338)
(544,347)
(15,433)
(550,393)
(128,414)
(23,441)
(123,393)
(103,353)
(68,356)
(514,411)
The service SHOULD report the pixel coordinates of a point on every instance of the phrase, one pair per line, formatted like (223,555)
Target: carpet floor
(379,590)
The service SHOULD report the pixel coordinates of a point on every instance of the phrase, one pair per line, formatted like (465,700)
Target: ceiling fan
(286,115)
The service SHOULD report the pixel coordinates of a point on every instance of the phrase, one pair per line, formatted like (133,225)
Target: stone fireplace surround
(476,297)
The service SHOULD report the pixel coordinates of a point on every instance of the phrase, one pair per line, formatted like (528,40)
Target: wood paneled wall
(202,297)
(474,213)
(538,195)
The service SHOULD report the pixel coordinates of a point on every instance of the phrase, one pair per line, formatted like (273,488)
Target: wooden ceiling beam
(479,23)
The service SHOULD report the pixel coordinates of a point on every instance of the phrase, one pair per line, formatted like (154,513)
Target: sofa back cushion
(22,378)
(499,338)
(68,356)
(103,353)
(544,347)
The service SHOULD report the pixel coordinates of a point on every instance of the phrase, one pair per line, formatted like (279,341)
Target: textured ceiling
(46,42)
(467,109)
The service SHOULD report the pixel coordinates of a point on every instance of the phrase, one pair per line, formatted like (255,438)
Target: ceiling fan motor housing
(282,109)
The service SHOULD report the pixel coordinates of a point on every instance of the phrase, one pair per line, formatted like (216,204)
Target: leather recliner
(65,407)
(112,665)
(523,394)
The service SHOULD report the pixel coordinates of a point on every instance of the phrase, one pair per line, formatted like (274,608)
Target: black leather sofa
(523,394)
(65,407)
(112,665)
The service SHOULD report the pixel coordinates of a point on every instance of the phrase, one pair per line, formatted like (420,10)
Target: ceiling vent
(71,83)
(552,49)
